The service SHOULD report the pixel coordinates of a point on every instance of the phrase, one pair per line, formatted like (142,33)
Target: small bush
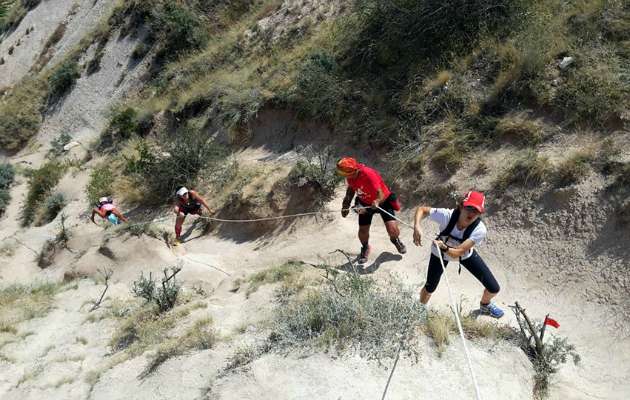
(520,130)
(100,184)
(317,170)
(123,124)
(164,296)
(7,174)
(573,169)
(351,312)
(178,161)
(62,80)
(53,204)
(527,170)
(20,114)
(178,29)
(57,144)
(41,182)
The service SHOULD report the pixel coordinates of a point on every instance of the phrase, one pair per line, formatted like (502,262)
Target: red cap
(475,199)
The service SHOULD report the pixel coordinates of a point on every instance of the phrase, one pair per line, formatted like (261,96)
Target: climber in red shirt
(372,197)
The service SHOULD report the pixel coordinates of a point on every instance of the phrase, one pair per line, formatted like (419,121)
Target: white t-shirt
(442,216)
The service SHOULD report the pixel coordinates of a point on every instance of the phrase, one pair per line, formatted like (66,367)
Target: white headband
(182,192)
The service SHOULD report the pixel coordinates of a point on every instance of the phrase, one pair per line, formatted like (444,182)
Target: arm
(421,213)
(347,200)
(456,252)
(380,198)
(93,214)
(200,199)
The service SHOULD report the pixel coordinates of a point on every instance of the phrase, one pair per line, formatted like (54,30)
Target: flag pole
(542,330)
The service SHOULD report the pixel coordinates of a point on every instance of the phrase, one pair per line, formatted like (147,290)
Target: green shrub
(527,170)
(20,114)
(62,80)
(7,174)
(178,29)
(53,204)
(163,296)
(178,161)
(317,170)
(100,184)
(57,144)
(124,124)
(41,182)
(351,312)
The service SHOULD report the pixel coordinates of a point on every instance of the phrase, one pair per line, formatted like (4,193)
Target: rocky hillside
(251,102)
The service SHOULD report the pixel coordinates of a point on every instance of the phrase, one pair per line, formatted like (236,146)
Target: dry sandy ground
(502,370)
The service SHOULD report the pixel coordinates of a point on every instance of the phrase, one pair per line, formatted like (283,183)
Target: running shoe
(365,252)
(399,245)
(491,309)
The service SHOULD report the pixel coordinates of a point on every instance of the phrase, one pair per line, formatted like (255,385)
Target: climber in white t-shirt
(461,229)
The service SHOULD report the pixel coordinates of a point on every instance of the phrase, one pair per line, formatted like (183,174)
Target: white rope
(459,324)
(453,304)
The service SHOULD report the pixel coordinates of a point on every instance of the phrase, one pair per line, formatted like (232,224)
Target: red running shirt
(366,185)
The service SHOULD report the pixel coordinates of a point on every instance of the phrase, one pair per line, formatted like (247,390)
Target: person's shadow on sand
(353,266)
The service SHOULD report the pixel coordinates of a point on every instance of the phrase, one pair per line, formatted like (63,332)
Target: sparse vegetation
(57,144)
(20,303)
(20,114)
(100,184)
(527,170)
(520,130)
(573,169)
(52,206)
(164,296)
(351,312)
(7,174)
(62,80)
(41,182)
(317,170)
(177,161)
(283,273)
(200,336)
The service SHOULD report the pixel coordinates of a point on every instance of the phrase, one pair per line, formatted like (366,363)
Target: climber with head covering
(372,197)
(187,202)
(106,209)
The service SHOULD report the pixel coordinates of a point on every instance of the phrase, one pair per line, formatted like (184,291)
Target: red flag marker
(552,322)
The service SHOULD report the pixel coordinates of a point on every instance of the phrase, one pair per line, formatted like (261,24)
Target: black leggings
(474,264)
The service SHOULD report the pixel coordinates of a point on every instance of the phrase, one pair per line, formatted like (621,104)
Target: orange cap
(347,166)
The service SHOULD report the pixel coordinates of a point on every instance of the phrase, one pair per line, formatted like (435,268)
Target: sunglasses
(472,209)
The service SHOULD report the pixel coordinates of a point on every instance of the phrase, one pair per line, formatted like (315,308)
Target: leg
(476,266)
(179,221)
(392,229)
(480,270)
(433,278)
(364,234)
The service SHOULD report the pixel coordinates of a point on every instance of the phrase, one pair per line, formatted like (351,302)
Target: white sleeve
(441,216)
(479,234)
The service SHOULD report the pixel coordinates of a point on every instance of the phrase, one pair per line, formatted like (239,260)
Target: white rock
(71,145)
(566,62)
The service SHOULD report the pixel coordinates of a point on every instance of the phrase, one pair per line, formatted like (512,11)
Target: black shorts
(190,209)
(366,217)
(474,264)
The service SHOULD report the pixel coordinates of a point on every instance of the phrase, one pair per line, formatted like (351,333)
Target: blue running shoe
(491,309)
